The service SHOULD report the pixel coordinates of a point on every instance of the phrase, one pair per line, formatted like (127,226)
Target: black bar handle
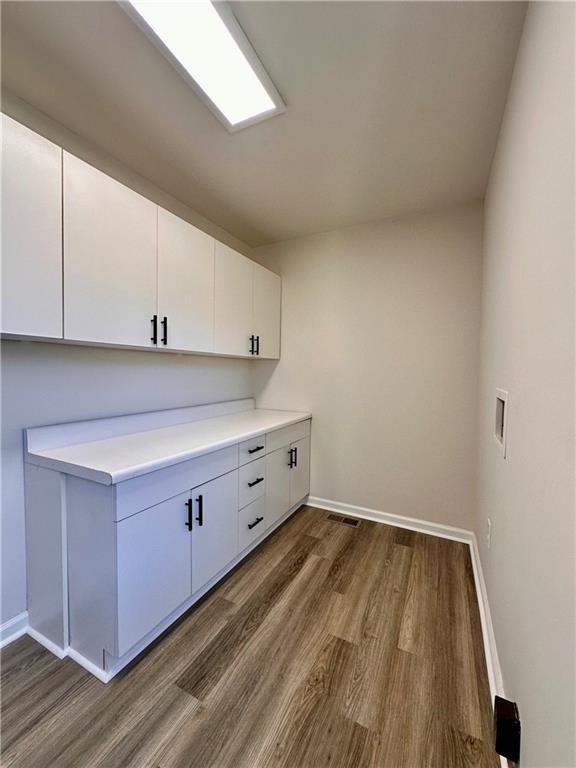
(165,333)
(291,463)
(154,337)
(258,480)
(252,342)
(258,520)
(189,508)
(200,517)
(257,345)
(254,450)
(295,457)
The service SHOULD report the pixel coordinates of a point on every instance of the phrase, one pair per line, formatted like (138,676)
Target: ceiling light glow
(196,35)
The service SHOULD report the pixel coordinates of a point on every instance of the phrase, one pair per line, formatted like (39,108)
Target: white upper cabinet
(31,233)
(185,285)
(89,260)
(233,302)
(266,312)
(109,258)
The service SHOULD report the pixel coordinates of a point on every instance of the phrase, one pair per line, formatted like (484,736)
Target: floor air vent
(344,520)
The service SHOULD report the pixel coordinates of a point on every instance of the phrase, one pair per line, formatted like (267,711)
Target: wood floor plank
(331,646)
(147,740)
(238,710)
(371,677)
(354,602)
(206,669)
(420,609)
(72,729)
(457,684)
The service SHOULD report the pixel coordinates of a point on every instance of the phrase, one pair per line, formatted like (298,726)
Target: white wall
(50,384)
(528,349)
(380,327)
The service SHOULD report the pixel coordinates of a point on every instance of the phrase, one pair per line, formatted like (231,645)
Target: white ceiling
(392,106)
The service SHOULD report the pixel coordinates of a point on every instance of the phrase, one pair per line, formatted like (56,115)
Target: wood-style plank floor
(329,646)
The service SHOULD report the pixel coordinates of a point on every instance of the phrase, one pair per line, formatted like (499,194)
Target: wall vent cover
(344,520)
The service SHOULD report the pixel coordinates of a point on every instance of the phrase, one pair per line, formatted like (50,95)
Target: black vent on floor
(344,520)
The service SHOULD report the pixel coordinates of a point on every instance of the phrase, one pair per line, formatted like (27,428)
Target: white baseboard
(446,532)
(13,628)
(398,521)
(47,643)
(89,666)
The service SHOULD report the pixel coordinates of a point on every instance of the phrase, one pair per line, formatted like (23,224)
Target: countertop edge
(114,478)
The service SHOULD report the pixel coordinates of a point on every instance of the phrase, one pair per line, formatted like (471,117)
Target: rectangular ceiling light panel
(210,46)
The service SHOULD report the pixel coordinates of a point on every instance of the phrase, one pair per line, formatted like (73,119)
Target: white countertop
(115,459)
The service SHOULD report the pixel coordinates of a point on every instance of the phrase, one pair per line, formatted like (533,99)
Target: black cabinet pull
(165,333)
(154,337)
(258,520)
(189,508)
(295,457)
(291,462)
(258,480)
(254,450)
(252,347)
(257,345)
(200,517)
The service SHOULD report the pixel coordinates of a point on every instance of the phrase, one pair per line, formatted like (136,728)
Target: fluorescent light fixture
(207,44)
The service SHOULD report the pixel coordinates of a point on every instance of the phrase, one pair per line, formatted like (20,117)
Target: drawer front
(251,481)
(252,449)
(145,491)
(281,437)
(252,522)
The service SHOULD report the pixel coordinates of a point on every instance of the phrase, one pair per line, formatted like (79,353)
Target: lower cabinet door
(214,527)
(153,568)
(300,472)
(277,484)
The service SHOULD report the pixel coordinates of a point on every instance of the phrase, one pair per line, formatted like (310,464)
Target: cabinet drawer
(281,437)
(252,449)
(252,522)
(251,481)
(147,490)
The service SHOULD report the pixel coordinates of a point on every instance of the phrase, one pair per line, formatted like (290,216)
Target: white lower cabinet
(287,478)
(214,527)
(278,490)
(132,568)
(300,470)
(154,574)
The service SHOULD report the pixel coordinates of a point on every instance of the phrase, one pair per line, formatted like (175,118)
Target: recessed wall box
(501,419)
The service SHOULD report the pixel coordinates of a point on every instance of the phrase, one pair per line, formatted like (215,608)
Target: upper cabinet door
(109,258)
(266,316)
(31,233)
(185,284)
(233,302)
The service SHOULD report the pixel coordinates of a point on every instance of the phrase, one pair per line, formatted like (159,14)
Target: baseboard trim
(47,643)
(446,532)
(398,521)
(89,666)
(13,628)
